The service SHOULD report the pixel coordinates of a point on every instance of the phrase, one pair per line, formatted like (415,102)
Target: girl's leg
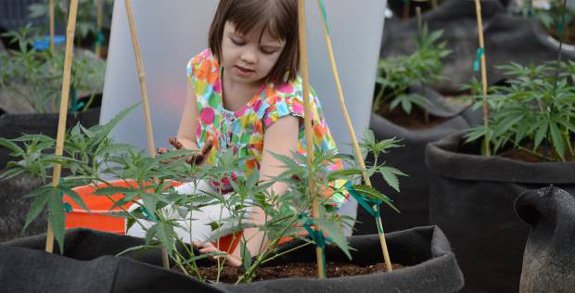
(200,220)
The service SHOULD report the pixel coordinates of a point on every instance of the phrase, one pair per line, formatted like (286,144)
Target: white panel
(171,32)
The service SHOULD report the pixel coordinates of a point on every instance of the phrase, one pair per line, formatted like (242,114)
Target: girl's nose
(248,56)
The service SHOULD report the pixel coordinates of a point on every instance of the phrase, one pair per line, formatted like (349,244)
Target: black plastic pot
(87,266)
(507,39)
(14,125)
(472,199)
(413,200)
(548,262)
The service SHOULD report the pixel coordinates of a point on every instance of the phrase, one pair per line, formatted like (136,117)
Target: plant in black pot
(530,133)
(549,14)
(30,87)
(423,249)
(406,107)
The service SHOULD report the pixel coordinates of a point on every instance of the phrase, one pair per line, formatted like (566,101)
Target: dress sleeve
(283,106)
(193,67)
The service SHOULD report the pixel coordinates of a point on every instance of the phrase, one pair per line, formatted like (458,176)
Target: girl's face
(244,59)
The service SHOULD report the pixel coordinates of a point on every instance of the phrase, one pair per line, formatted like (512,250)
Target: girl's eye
(238,42)
(267,51)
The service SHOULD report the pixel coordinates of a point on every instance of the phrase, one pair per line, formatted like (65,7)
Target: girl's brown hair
(277,17)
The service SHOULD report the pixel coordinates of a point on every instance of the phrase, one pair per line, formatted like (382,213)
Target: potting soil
(295,270)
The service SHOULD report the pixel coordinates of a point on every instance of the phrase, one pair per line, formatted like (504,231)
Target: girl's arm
(280,138)
(188,124)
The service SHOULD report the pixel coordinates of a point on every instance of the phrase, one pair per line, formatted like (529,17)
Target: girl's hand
(197,159)
(208,247)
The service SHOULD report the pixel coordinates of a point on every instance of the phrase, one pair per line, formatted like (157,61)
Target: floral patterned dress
(244,130)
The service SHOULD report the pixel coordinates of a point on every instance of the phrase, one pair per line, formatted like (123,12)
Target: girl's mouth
(242,71)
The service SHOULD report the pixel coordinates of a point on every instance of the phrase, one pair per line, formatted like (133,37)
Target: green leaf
(557,140)
(36,208)
(75,197)
(390,176)
(11,146)
(165,233)
(343,173)
(246,256)
(372,193)
(543,125)
(336,234)
(57,215)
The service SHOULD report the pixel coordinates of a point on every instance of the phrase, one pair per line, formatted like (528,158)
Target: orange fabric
(99,206)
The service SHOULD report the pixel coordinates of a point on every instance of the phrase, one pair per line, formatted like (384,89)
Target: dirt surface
(295,270)
(415,120)
(529,157)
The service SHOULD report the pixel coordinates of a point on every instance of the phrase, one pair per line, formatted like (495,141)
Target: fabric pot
(87,266)
(472,200)
(548,262)
(14,14)
(14,125)
(14,208)
(413,199)
(507,39)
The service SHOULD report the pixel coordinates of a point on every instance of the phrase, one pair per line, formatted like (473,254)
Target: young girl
(245,95)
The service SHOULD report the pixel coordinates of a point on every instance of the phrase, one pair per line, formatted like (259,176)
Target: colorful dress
(243,130)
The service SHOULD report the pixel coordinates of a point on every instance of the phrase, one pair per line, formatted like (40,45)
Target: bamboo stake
(145,102)
(353,137)
(483,73)
(308,130)
(63,108)
(51,8)
(142,76)
(99,20)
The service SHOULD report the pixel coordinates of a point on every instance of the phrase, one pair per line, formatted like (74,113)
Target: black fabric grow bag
(507,39)
(413,200)
(548,261)
(472,199)
(14,125)
(88,267)
(14,208)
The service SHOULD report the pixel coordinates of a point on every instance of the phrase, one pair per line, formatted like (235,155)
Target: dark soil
(418,119)
(529,157)
(568,35)
(295,270)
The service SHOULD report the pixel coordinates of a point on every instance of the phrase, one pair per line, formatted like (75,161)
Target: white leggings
(199,225)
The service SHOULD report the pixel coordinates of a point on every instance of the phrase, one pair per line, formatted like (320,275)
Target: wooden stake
(142,75)
(51,8)
(353,137)
(99,21)
(483,73)
(144,92)
(63,108)
(308,130)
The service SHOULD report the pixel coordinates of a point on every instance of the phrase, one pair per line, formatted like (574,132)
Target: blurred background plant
(396,75)
(535,110)
(32,78)
(549,13)
(86,23)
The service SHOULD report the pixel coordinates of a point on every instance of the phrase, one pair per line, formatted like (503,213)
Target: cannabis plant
(90,157)
(33,78)
(423,67)
(86,22)
(536,109)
